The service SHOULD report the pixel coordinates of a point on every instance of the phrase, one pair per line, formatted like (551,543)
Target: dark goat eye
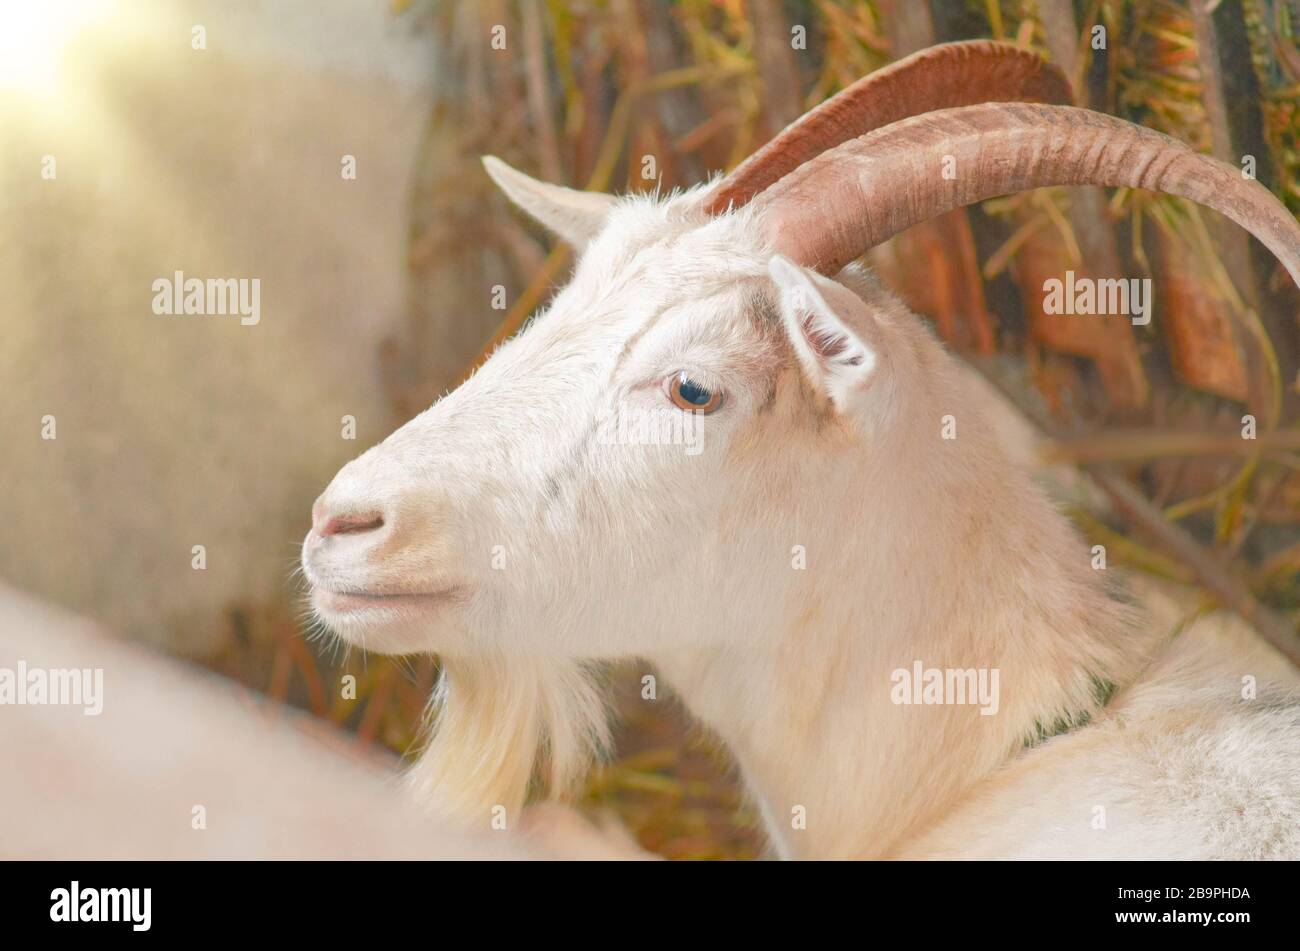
(688,395)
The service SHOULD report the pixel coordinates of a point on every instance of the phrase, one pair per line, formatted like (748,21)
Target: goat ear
(835,358)
(575,216)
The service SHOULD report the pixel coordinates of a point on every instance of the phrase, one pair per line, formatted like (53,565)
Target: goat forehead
(640,292)
(600,311)
(649,241)
(615,341)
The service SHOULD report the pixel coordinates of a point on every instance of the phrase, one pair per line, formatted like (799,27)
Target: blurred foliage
(642,95)
(1274,31)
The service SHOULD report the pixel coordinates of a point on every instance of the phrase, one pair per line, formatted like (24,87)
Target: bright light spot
(34,36)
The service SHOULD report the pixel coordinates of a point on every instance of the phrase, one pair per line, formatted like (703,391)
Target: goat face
(569,497)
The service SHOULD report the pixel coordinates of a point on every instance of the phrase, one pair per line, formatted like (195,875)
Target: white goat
(822,535)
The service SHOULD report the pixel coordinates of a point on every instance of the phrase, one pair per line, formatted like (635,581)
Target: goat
(826,536)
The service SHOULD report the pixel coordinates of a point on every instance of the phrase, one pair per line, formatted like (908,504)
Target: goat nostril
(351,524)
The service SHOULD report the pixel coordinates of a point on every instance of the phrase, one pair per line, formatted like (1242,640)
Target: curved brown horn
(950,74)
(846,201)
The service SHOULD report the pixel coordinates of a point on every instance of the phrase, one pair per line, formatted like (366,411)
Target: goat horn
(950,74)
(861,193)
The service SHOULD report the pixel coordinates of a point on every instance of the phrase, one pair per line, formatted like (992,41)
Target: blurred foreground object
(126,783)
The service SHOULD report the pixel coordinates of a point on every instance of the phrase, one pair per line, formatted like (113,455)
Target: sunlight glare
(34,36)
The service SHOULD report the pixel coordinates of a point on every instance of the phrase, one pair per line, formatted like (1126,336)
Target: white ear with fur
(575,216)
(834,357)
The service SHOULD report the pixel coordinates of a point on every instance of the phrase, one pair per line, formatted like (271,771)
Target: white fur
(564,551)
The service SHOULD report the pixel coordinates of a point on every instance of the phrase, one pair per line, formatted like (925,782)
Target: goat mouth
(352,601)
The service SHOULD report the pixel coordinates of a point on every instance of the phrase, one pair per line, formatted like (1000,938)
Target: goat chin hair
(486,711)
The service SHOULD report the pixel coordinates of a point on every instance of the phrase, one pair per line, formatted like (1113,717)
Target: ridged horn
(835,207)
(950,74)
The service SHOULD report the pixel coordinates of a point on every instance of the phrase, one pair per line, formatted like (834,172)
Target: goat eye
(688,395)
